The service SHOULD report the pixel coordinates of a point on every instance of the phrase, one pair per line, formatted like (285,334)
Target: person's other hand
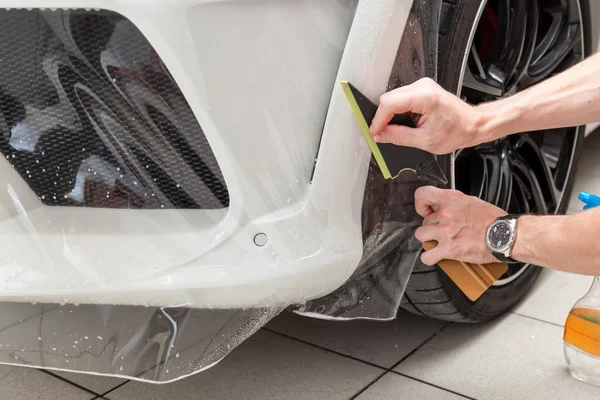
(445,122)
(457,222)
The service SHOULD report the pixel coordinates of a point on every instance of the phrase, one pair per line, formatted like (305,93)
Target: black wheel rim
(515,44)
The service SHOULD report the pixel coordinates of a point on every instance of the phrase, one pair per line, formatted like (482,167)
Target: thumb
(427,200)
(401,135)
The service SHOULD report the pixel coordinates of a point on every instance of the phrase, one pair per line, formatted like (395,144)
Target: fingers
(401,136)
(431,219)
(428,233)
(388,104)
(433,256)
(413,98)
(427,200)
(432,233)
(396,102)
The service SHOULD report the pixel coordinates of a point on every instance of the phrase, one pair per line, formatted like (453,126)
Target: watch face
(500,235)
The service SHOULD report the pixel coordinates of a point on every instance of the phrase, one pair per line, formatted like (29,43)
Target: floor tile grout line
(421,345)
(433,385)
(385,371)
(537,319)
(71,383)
(115,388)
(369,385)
(401,360)
(326,349)
(27,319)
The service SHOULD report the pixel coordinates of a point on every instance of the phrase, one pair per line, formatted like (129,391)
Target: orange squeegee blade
(472,279)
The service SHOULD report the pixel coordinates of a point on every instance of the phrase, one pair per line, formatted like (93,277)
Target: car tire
(429,291)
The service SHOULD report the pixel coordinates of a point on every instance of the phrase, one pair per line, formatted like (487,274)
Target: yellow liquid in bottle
(582,330)
(582,344)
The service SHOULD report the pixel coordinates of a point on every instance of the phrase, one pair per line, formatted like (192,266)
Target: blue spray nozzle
(590,200)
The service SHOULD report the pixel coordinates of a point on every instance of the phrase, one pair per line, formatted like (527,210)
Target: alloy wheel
(515,44)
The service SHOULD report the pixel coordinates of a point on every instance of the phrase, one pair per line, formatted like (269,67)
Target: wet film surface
(376,288)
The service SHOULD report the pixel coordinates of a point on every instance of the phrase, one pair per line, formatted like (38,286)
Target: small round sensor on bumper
(260,239)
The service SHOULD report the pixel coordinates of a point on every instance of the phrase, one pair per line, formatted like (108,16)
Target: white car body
(261,102)
(262,79)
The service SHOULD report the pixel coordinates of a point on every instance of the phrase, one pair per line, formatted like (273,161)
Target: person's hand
(445,122)
(457,222)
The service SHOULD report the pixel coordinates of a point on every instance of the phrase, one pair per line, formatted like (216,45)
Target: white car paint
(261,77)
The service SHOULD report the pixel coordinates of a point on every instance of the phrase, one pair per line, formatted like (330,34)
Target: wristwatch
(501,236)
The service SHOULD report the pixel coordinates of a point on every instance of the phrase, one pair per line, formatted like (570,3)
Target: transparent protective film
(175,174)
(146,230)
(390,249)
(113,203)
(389,218)
(144,343)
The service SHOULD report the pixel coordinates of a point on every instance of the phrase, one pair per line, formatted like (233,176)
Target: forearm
(569,99)
(566,243)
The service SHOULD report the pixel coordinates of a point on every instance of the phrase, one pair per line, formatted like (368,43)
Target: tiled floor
(517,356)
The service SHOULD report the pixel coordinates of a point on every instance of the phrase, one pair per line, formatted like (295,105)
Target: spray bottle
(582,328)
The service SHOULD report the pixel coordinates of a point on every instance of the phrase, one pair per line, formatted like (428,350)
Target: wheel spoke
(558,20)
(557,10)
(497,174)
(475,55)
(565,155)
(532,158)
(511,35)
(502,33)
(568,39)
(520,203)
(529,46)
(556,47)
(506,179)
(480,85)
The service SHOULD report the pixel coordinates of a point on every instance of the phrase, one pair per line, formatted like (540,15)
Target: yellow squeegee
(391,159)
(472,279)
